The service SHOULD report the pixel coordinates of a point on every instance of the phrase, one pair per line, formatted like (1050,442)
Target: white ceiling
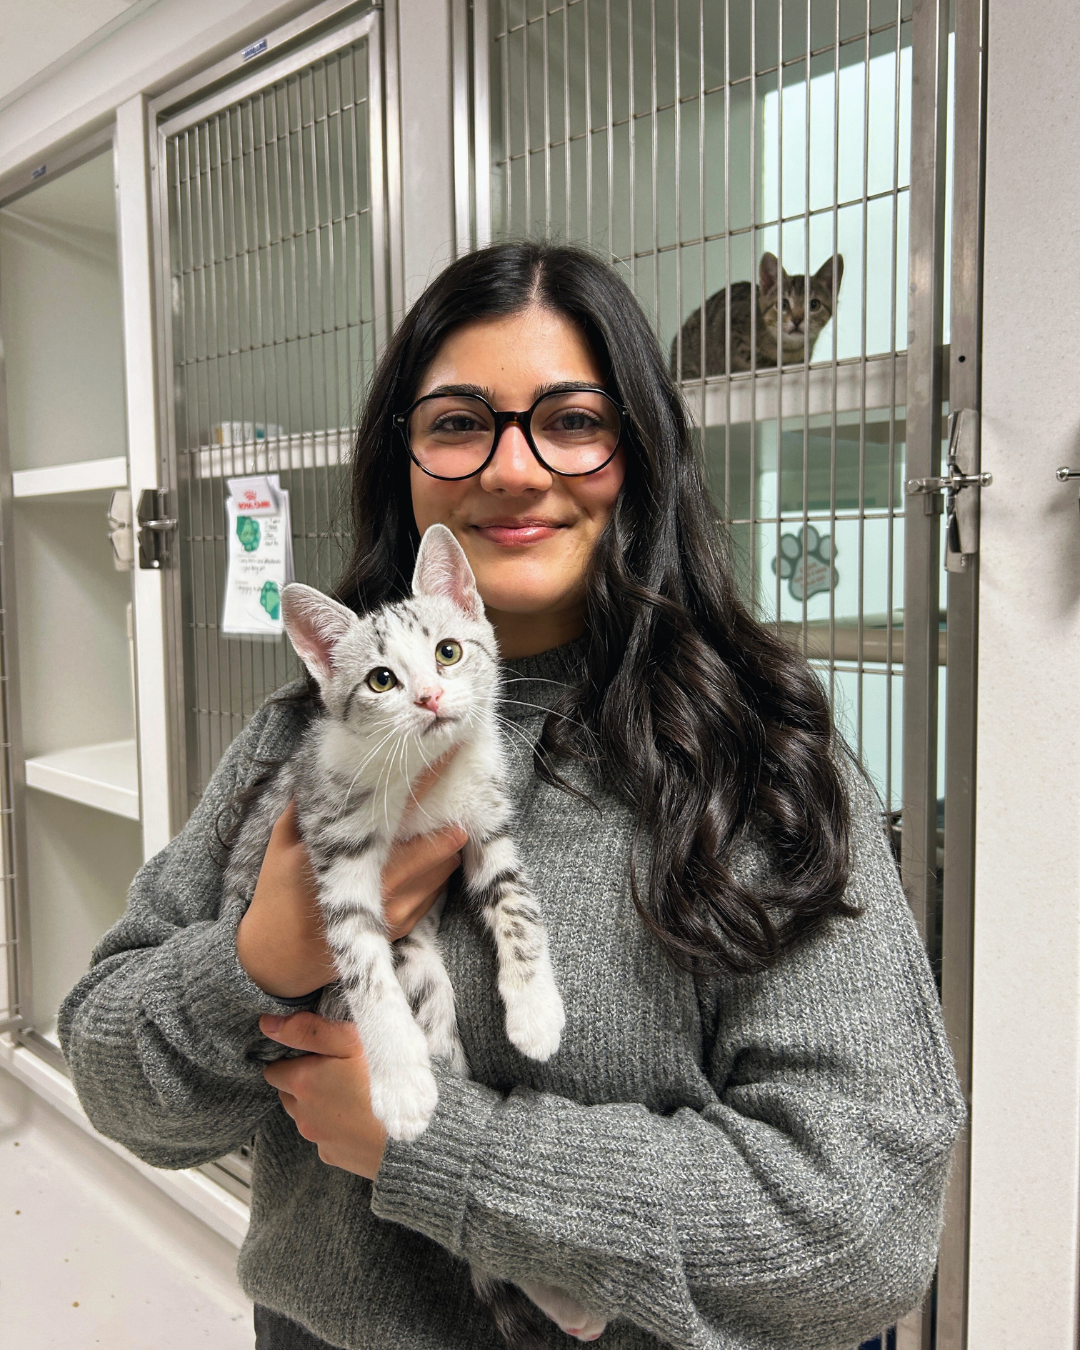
(37,34)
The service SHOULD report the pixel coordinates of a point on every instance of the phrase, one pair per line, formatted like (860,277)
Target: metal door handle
(961,513)
(1065,473)
(155,528)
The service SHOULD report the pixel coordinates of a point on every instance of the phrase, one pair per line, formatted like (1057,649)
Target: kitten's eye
(381,680)
(448,653)
(815,304)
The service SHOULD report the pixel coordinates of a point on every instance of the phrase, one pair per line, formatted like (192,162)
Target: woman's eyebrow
(564,386)
(477,390)
(483,391)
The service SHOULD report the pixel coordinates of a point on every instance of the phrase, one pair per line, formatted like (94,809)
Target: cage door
(273,289)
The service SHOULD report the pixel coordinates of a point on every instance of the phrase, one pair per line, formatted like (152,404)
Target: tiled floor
(92,1254)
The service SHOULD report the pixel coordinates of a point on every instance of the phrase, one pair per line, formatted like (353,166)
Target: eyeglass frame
(520,419)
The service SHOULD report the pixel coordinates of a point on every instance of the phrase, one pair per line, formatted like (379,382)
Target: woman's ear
(315,625)
(443,569)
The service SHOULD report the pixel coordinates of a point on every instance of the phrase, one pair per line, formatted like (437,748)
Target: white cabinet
(71,697)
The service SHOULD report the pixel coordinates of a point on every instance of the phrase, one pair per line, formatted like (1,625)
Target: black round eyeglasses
(572,431)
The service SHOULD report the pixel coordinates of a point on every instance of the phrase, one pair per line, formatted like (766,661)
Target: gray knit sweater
(733,1163)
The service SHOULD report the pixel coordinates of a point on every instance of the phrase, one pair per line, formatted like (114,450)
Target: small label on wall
(253,49)
(258,534)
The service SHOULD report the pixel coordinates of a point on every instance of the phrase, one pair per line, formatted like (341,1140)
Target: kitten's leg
(403,1091)
(423,977)
(534,1010)
(516,1308)
(566,1312)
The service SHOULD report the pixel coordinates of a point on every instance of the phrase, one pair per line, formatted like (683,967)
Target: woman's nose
(514,468)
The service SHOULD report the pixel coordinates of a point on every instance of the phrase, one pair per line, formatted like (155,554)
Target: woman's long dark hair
(703,721)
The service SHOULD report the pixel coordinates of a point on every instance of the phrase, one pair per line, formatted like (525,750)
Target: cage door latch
(961,508)
(156,528)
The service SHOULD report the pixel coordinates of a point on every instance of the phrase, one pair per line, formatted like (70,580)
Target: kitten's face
(424,669)
(800,316)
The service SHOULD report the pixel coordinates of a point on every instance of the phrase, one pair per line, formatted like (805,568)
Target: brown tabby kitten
(802,321)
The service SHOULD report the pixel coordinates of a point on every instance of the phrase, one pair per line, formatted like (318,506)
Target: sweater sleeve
(800,1208)
(161,1035)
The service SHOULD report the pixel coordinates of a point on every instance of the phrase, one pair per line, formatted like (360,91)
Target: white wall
(1025,1131)
(157,48)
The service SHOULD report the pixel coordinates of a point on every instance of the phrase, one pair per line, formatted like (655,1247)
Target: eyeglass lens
(575,432)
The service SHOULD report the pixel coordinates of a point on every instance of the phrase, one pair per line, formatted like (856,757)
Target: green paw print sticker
(247,531)
(270,599)
(808,571)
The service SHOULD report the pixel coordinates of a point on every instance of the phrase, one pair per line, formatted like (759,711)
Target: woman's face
(528,533)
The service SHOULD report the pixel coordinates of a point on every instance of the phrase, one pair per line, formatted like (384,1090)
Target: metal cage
(684,140)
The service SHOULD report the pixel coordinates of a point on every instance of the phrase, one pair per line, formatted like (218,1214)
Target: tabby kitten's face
(422,670)
(785,303)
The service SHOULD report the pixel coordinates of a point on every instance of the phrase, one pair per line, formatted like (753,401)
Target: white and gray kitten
(401,687)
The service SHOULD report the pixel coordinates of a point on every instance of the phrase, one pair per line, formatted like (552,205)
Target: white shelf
(756,397)
(105,776)
(275,454)
(88,475)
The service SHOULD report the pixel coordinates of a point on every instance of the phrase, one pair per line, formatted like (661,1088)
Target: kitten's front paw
(406,1101)
(535,1017)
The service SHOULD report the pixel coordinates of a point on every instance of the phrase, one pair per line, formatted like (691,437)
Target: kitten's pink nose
(429,698)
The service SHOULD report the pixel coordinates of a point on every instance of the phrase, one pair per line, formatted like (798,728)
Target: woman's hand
(326,1091)
(281,942)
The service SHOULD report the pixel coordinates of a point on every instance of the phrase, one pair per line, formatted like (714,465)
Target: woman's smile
(511,532)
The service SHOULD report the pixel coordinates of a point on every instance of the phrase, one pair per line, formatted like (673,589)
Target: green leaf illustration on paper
(270,599)
(248,532)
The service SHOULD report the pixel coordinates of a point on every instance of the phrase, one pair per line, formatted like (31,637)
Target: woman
(744,1138)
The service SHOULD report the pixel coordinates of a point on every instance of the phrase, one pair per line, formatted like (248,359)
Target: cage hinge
(961,509)
(156,528)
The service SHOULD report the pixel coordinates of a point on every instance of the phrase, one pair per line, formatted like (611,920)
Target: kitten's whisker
(512,726)
(534,679)
(369,757)
(364,763)
(554,711)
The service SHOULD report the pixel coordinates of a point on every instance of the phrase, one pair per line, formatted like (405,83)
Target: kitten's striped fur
(352,780)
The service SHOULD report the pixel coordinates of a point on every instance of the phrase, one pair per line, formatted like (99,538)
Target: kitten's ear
(315,625)
(443,569)
(767,271)
(824,274)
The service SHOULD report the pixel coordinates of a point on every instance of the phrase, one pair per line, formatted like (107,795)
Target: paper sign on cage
(258,536)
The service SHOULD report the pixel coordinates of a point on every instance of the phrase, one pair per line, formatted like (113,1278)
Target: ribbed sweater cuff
(197,978)
(424,1185)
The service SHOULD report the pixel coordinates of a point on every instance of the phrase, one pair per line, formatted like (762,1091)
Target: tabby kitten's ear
(767,270)
(315,625)
(824,275)
(443,569)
